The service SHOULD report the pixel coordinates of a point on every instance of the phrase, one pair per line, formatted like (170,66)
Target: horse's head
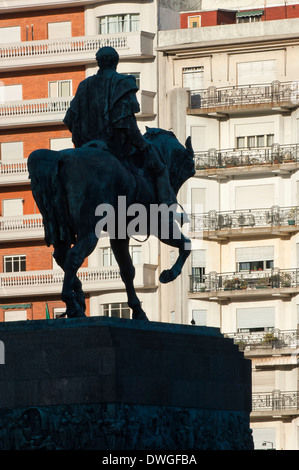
(178,159)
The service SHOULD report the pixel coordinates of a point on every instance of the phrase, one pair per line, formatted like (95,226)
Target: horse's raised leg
(120,249)
(178,240)
(74,259)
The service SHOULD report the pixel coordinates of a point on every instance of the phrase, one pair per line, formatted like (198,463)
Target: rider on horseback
(104,109)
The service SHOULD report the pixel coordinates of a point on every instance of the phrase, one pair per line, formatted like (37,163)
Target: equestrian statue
(110,160)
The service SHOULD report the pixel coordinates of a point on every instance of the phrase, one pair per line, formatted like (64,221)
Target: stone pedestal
(112,384)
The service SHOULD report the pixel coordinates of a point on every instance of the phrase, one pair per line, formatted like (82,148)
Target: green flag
(47,312)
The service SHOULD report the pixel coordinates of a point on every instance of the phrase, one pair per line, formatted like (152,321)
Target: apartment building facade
(238,86)
(46,50)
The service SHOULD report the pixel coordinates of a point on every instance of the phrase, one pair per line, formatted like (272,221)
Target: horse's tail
(43,167)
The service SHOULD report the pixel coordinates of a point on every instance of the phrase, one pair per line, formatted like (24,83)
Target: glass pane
(115,310)
(106,310)
(103,25)
(260,141)
(8,265)
(240,142)
(112,26)
(270,140)
(135,22)
(23,263)
(53,89)
(65,88)
(251,141)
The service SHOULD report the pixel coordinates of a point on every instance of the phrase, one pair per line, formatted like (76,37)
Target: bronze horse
(70,185)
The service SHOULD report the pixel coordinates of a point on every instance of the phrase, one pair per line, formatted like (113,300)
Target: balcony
(14,172)
(266,341)
(74,51)
(275,97)
(25,227)
(276,221)
(221,164)
(276,401)
(24,113)
(273,283)
(95,279)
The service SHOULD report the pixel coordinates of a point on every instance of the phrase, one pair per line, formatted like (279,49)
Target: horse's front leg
(120,249)
(175,239)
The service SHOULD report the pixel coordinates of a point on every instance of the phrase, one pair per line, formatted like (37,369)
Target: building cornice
(10,6)
(186,42)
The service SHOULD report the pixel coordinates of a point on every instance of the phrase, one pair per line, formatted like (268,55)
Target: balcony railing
(245,280)
(275,400)
(276,154)
(273,94)
(75,50)
(274,339)
(25,222)
(33,107)
(274,217)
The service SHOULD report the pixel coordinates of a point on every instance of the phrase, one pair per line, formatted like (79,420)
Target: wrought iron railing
(272,339)
(244,280)
(273,93)
(275,400)
(274,217)
(227,158)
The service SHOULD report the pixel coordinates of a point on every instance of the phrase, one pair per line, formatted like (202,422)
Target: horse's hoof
(167,276)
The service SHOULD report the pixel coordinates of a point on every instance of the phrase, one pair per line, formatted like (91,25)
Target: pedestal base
(111,384)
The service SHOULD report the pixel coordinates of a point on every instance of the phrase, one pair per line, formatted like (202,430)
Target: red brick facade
(35,85)
(219,17)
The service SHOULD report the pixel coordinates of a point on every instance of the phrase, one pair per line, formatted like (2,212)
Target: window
(118,23)
(12,207)
(255,319)
(57,312)
(194,21)
(255,72)
(136,253)
(193,77)
(60,88)
(11,151)
(10,93)
(61,143)
(255,258)
(10,34)
(14,264)
(198,268)
(255,141)
(249,16)
(62,29)
(137,77)
(199,317)
(260,196)
(118,310)
(108,258)
(15,315)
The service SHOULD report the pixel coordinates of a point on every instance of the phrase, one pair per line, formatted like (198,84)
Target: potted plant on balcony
(269,338)
(229,284)
(260,283)
(292,214)
(286,280)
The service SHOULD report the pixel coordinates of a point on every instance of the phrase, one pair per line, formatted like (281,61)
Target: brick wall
(40,19)
(35,83)
(35,137)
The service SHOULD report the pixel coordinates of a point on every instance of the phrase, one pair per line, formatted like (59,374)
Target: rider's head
(107,58)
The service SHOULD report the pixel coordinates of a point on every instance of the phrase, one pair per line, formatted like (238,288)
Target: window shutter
(62,29)
(199,258)
(263,71)
(10,34)
(200,317)
(255,253)
(257,317)
(61,143)
(12,207)
(11,151)
(266,435)
(255,197)
(16,315)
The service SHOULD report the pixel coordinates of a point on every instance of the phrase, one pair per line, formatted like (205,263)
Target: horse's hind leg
(127,271)
(73,261)
(60,252)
